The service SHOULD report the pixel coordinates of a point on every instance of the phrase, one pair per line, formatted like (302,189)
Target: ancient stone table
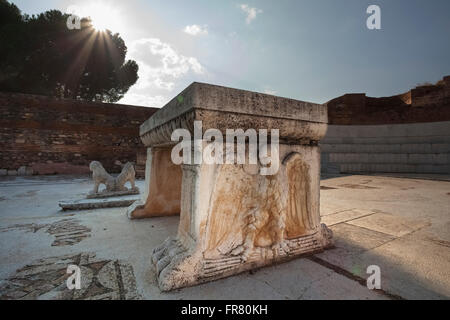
(233,218)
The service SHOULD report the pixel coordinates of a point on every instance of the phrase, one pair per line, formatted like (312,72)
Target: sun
(103,17)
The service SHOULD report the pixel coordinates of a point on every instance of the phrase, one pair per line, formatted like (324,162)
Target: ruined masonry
(232,218)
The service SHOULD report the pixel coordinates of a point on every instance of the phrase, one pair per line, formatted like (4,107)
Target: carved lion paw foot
(176,265)
(164,254)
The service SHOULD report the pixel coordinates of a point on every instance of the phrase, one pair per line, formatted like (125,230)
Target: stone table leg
(163,186)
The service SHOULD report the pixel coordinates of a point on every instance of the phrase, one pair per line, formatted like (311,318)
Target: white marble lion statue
(100,176)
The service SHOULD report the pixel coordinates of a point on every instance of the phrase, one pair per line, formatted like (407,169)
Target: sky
(310,50)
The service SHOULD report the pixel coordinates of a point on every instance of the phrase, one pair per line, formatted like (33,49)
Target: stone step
(393,168)
(354,139)
(386,148)
(388,158)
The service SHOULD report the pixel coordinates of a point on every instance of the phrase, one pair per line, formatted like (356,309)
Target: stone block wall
(397,148)
(408,133)
(42,135)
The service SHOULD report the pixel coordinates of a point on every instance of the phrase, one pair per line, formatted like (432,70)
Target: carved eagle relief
(260,211)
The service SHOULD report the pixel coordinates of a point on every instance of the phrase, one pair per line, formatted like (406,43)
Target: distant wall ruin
(430,103)
(407,133)
(42,135)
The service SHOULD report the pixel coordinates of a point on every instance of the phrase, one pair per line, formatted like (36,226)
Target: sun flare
(104,17)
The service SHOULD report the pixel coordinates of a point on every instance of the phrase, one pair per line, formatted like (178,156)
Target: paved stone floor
(400,224)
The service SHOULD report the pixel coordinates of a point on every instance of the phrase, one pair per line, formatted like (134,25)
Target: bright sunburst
(103,17)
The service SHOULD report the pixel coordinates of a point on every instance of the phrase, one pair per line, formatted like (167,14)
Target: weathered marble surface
(226,108)
(109,202)
(232,218)
(112,194)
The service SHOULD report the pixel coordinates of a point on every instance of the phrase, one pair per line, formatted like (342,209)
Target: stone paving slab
(112,194)
(410,268)
(389,224)
(304,279)
(355,239)
(425,262)
(86,204)
(344,216)
(331,208)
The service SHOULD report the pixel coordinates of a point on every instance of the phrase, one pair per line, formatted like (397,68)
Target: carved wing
(298,219)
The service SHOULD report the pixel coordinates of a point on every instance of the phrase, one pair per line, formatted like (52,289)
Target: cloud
(161,69)
(251,12)
(195,30)
(160,64)
(270,91)
(139,99)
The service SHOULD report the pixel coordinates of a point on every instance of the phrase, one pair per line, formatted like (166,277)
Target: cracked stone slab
(389,224)
(357,186)
(332,208)
(428,261)
(110,194)
(350,243)
(101,279)
(305,279)
(355,239)
(411,266)
(341,289)
(345,216)
(86,204)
